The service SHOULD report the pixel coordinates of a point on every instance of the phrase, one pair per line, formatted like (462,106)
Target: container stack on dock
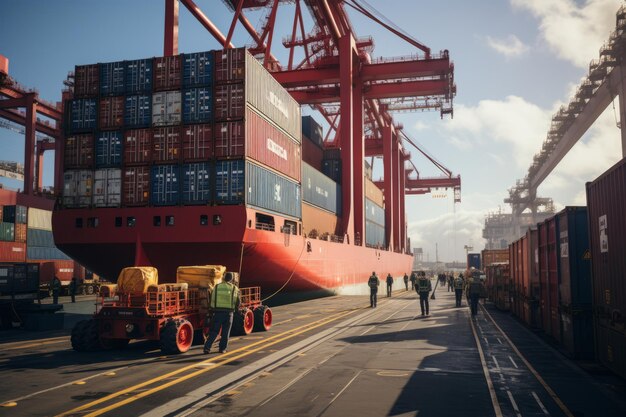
(496,265)
(12,233)
(200,128)
(607,229)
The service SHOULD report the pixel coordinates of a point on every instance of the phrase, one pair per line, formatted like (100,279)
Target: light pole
(467,249)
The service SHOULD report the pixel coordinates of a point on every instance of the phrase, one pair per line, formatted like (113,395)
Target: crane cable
(293,270)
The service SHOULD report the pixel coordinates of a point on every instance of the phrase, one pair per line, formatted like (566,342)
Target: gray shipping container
(39,238)
(39,253)
(374,213)
(270,191)
(77,188)
(319,190)
(107,189)
(166,108)
(374,234)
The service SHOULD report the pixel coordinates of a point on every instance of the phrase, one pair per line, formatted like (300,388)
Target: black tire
(262,318)
(85,336)
(241,327)
(109,344)
(176,336)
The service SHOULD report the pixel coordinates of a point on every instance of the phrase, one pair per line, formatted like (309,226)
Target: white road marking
(499,341)
(517,413)
(486,341)
(367,331)
(496,362)
(284,388)
(543,408)
(513,362)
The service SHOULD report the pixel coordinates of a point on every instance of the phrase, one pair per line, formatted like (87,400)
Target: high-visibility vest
(423,284)
(458,283)
(225,296)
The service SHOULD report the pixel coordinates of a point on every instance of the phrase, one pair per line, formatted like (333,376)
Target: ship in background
(200,159)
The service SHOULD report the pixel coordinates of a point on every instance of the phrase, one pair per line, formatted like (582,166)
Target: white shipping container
(166,108)
(39,219)
(107,189)
(70,188)
(269,97)
(85,187)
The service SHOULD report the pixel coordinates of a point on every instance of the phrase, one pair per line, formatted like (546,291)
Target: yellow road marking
(245,349)
(32,343)
(9,404)
(492,391)
(552,394)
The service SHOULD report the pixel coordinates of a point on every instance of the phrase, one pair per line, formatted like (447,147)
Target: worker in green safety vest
(423,288)
(458,289)
(223,302)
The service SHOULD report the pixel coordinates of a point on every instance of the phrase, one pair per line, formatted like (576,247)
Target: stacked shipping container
(192,129)
(13,233)
(607,229)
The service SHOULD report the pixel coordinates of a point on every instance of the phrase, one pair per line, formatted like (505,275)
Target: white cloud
(419,126)
(510,47)
(514,122)
(574,32)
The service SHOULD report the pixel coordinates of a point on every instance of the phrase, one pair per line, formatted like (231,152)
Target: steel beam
(29,143)
(346,132)
(358,158)
(388,185)
(170,44)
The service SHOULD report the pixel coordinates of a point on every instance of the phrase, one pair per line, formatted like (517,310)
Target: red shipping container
(312,154)
(257,138)
(197,142)
(137,146)
(553,277)
(544,282)
(606,204)
(136,186)
(230,65)
(20,232)
(167,73)
(111,113)
(63,269)
(166,144)
(87,81)
(229,102)
(490,256)
(79,151)
(12,252)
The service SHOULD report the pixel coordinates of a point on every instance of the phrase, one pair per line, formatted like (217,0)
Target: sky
(516,62)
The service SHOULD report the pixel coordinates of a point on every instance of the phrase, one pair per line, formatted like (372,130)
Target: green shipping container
(7,232)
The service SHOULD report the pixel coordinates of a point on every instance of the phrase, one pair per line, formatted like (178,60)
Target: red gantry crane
(353,92)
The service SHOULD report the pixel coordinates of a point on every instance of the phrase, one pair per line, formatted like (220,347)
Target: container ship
(204,158)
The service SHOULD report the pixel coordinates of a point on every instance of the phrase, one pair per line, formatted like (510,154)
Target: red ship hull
(278,262)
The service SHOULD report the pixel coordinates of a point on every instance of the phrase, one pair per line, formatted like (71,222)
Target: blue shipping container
(313,130)
(196,183)
(39,253)
(83,113)
(112,78)
(320,190)
(138,111)
(165,185)
(374,213)
(109,149)
(271,191)
(229,182)
(138,76)
(374,235)
(575,268)
(198,69)
(197,105)
(40,238)
(473,260)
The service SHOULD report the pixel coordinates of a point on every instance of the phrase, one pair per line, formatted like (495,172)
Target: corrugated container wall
(137,146)
(111,112)
(40,238)
(108,149)
(7,232)
(311,153)
(273,192)
(319,190)
(196,183)
(138,76)
(166,108)
(166,143)
(39,219)
(39,253)
(332,169)
(374,193)
(230,65)
(14,214)
(607,228)
(136,186)
(165,188)
(197,142)
(79,151)
(82,114)
(229,182)
(19,278)
(12,251)
(167,73)
(313,131)
(20,232)
(374,213)
(316,222)
(112,78)
(198,69)
(491,256)
(86,81)
(473,260)
(138,111)
(197,105)
(574,257)
(107,189)
(374,235)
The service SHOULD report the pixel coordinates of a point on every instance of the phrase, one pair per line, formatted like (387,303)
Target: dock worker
(223,302)
(389,284)
(406,281)
(458,289)
(373,283)
(73,288)
(424,287)
(413,280)
(475,290)
(56,289)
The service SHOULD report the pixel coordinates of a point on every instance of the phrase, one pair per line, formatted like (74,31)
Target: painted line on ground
(543,408)
(492,391)
(515,407)
(513,362)
(549,390)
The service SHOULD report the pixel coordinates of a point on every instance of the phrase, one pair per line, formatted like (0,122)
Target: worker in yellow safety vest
(223,302)
(423,288)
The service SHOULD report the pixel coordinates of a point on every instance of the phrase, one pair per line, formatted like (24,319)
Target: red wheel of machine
(262,318)
(243,322)
(176,336)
